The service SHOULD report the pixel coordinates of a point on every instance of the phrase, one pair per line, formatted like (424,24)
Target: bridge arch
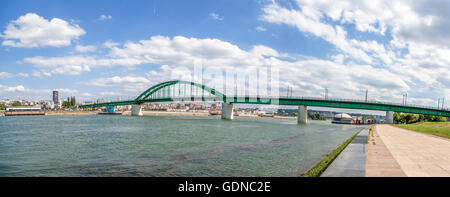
(149,92)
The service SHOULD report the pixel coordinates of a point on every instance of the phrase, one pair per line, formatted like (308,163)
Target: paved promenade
(394,151)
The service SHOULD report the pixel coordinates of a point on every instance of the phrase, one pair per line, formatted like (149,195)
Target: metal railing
(198,98)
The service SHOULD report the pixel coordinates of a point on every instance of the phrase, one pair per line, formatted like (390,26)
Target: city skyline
(107,49)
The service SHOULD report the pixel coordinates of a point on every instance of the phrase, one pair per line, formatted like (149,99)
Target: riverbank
(70,113)
(160,113)
(441,129)
(165,113)
(351,162)
(323,164)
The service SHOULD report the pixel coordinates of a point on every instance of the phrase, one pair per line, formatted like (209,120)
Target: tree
(72,101)
(2,107)
(398,117)
(412,118)
(439,119)
(407,118)
(16,104)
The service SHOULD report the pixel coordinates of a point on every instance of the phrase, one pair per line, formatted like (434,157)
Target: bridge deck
(333,103)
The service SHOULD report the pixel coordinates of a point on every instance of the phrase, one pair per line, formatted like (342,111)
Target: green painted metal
(146,94)
(377,106)
(148,97)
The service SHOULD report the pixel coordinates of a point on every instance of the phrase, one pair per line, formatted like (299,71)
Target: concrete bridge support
(302,117)
(136,110)
(227,111)
(389,117)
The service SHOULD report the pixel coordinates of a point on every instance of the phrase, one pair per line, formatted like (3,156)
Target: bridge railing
(370,101)
(315,98)
(350,100)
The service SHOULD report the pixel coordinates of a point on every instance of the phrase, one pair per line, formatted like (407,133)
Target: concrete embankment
(351,162)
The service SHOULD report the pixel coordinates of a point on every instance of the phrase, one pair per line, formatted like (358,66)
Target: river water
(95,145)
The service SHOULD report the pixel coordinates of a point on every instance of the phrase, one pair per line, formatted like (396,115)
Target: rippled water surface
(163,146)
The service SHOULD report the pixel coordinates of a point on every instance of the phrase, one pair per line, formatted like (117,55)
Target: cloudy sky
(105,49)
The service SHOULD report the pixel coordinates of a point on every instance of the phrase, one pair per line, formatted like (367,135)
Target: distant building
(118,98)
(21,111)
(55,97)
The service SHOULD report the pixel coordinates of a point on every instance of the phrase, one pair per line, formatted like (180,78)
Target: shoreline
(319,168)
(160,113)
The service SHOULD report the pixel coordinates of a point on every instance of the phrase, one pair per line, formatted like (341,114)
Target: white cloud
(67,91)
(104,17)
(261,50)
(177,55)
(41,74)
(85,48)
(5,75)
(308,21)
(21,92)
(110,44)
(32,30)
(24,75)
(86,94)
(71,65)
(18,88)
(260,29)
(216,16)
(418,51)
(109,93)
(128,83)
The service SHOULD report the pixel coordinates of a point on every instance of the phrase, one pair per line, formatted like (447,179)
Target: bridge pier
(389,117)
(302,117)
(136,110)
(227,111)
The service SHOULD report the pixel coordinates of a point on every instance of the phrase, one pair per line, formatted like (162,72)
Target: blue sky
(105,49)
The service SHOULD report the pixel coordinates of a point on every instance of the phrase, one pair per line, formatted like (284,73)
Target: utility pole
(443,102)
(406,98)
(287,92)
(367,91)
(235,85)
(439,100)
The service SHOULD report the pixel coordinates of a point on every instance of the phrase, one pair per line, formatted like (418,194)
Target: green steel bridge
(184,91)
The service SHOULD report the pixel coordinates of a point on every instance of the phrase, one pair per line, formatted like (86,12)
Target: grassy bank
(317,170)
(441,129)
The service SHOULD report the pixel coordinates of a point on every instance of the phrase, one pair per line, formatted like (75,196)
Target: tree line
(69,103)
(408,118)
(316,116)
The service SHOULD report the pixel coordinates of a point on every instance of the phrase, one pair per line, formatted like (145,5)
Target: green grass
(317,170)
(441,129)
